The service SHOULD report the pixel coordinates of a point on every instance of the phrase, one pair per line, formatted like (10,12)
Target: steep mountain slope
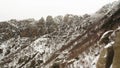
(62,42)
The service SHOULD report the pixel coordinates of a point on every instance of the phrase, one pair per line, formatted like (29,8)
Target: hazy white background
(23,9)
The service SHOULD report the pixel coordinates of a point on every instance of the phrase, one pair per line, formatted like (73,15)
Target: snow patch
(39,44)
(94,62)
(13,24)
(111,66)
(109,44)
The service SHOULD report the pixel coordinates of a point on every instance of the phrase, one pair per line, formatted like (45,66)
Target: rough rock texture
(116,47)
(109,56)
(68,41)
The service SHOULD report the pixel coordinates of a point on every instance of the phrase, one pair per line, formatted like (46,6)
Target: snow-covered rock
(68,41)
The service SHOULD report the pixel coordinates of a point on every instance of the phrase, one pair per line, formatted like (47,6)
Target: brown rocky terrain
(70,41)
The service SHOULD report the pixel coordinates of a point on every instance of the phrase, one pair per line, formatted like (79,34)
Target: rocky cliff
(70,41)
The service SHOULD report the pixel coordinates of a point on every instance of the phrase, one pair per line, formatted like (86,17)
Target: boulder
(116,59)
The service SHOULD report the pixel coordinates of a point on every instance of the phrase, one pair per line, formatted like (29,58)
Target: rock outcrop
(109,56)
(69,41)
(116,47)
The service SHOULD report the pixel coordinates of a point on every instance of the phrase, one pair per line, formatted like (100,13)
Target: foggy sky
(23,9)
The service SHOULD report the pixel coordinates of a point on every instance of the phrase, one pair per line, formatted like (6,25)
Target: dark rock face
(62,42)
(106,58)
(1,51)
(6,30)
(29,32)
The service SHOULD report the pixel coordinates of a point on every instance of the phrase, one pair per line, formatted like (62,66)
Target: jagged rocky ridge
(71,41)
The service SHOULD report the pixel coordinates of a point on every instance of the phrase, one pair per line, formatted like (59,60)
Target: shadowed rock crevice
(109,58)
(106,58)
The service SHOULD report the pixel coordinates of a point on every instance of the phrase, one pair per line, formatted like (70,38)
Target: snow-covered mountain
(70,41)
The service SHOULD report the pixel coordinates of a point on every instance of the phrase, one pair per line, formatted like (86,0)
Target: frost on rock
(109,44)
(39,44)
(68,41)
(93,65)
(104,35)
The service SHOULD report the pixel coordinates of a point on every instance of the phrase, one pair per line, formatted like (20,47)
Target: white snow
(118,28)
(105,55)
(4,46)
(109,44)
(106,34)
(13,24)
(111,66)
(71,60)
(39,44)
(94,62)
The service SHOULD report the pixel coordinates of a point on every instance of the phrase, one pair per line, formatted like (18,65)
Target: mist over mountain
(69,41)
